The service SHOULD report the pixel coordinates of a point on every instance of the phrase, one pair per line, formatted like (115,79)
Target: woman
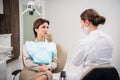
(96,48)
(40,57)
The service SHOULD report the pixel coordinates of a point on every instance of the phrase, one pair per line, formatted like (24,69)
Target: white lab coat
(95,49)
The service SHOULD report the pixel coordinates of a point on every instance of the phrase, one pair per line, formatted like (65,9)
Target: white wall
(65,23)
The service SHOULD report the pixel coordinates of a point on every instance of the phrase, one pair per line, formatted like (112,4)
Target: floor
(17,64)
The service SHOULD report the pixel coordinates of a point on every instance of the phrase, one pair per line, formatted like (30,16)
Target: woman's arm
(80,54)
(85,48)
(28,61)
(54,63)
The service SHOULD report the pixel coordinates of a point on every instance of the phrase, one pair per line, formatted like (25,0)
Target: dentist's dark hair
(93,16)
(37,23)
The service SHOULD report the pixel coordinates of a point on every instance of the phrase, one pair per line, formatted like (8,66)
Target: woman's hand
(50,73)
(43,68)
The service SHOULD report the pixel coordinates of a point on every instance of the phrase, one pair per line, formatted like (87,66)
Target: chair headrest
(49,37)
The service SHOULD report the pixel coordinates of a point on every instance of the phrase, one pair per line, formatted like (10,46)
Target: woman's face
(42,30)
(82,23)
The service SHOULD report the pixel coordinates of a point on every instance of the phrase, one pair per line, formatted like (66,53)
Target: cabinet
(9,24)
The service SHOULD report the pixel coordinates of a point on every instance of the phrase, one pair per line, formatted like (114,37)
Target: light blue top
(41,52)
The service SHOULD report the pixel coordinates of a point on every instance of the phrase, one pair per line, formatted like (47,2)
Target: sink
(5,49)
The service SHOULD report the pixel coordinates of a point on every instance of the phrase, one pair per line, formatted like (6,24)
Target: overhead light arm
(25,11)
(38,12)
(31,7)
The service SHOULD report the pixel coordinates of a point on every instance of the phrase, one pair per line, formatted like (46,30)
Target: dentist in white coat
(96,48)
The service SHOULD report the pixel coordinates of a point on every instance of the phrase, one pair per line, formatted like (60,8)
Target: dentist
(96,48)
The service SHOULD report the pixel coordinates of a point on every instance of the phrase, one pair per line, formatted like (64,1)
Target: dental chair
(61,56)
(101,73)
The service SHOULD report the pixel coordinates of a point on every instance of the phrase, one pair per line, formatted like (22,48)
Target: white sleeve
(79,56)
(85,48)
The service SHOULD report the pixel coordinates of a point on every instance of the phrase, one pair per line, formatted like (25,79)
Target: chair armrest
(61,56)
(95,72)
(16,72)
